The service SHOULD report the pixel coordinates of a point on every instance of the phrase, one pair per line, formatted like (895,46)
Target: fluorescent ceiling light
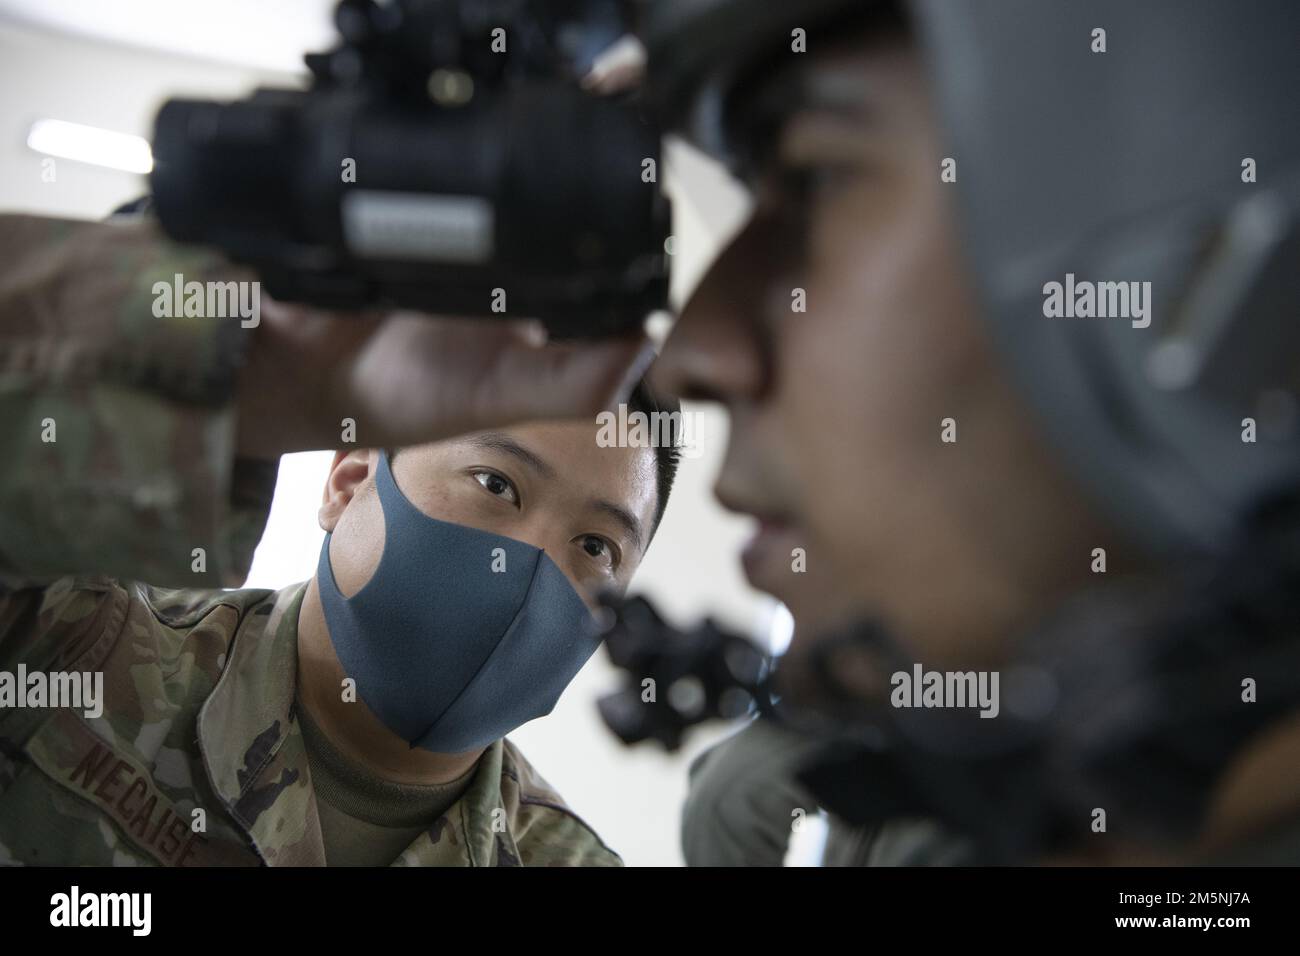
(89,144)
(253,33)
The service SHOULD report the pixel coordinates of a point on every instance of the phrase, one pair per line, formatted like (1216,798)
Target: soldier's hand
(407,379)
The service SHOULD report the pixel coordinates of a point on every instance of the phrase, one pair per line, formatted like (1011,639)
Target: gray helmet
(1119,166)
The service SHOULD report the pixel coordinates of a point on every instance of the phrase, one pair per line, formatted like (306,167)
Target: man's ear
(347,473)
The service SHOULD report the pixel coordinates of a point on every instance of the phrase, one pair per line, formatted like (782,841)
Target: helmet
(1117,156)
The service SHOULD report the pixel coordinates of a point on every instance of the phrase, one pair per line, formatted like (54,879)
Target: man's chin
(815,601)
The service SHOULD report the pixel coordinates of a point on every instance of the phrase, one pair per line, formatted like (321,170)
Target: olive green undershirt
(364,819)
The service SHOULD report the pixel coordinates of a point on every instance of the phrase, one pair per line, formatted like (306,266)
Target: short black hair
(668,453)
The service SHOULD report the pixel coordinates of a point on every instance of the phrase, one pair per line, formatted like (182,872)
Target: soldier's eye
(600,550)
(497,485)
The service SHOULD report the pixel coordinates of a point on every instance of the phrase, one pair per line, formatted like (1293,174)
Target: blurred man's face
(590,508)
(835,441)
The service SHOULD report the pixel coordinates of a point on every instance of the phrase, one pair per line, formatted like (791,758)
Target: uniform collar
(256,759)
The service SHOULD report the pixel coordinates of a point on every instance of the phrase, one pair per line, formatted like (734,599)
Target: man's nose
(719,351)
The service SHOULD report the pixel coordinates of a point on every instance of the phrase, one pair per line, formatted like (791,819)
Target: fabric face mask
(448,653)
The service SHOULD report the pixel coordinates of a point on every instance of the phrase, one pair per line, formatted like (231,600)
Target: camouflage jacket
(198,684)
(199,715)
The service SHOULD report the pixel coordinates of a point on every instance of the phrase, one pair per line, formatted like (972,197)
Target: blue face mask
(449,653)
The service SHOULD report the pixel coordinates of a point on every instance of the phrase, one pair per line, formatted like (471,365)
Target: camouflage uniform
(199,708)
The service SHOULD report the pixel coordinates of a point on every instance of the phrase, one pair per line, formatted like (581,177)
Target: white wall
(632,796)
(47,75)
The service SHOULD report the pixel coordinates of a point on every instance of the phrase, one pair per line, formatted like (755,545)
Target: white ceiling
(265,34)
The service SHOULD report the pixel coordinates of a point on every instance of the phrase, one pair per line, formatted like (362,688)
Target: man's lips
(767,558)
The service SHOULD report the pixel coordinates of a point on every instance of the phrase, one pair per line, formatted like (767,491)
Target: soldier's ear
(348,472)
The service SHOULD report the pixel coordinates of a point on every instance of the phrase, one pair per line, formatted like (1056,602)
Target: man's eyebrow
(496,441)
(837,94)
(624,517)
(845,93)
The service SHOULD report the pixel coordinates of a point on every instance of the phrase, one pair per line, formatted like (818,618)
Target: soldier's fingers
(571,380)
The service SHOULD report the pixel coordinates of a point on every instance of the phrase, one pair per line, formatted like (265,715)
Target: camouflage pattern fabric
(197,757)
(199,715)
(141,472)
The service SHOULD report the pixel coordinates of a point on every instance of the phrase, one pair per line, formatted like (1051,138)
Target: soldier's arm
(117,425)
(133,434)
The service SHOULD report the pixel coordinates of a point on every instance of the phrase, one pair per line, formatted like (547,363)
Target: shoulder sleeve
(116,414)
(71,623)
(546,831)
(554,836)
